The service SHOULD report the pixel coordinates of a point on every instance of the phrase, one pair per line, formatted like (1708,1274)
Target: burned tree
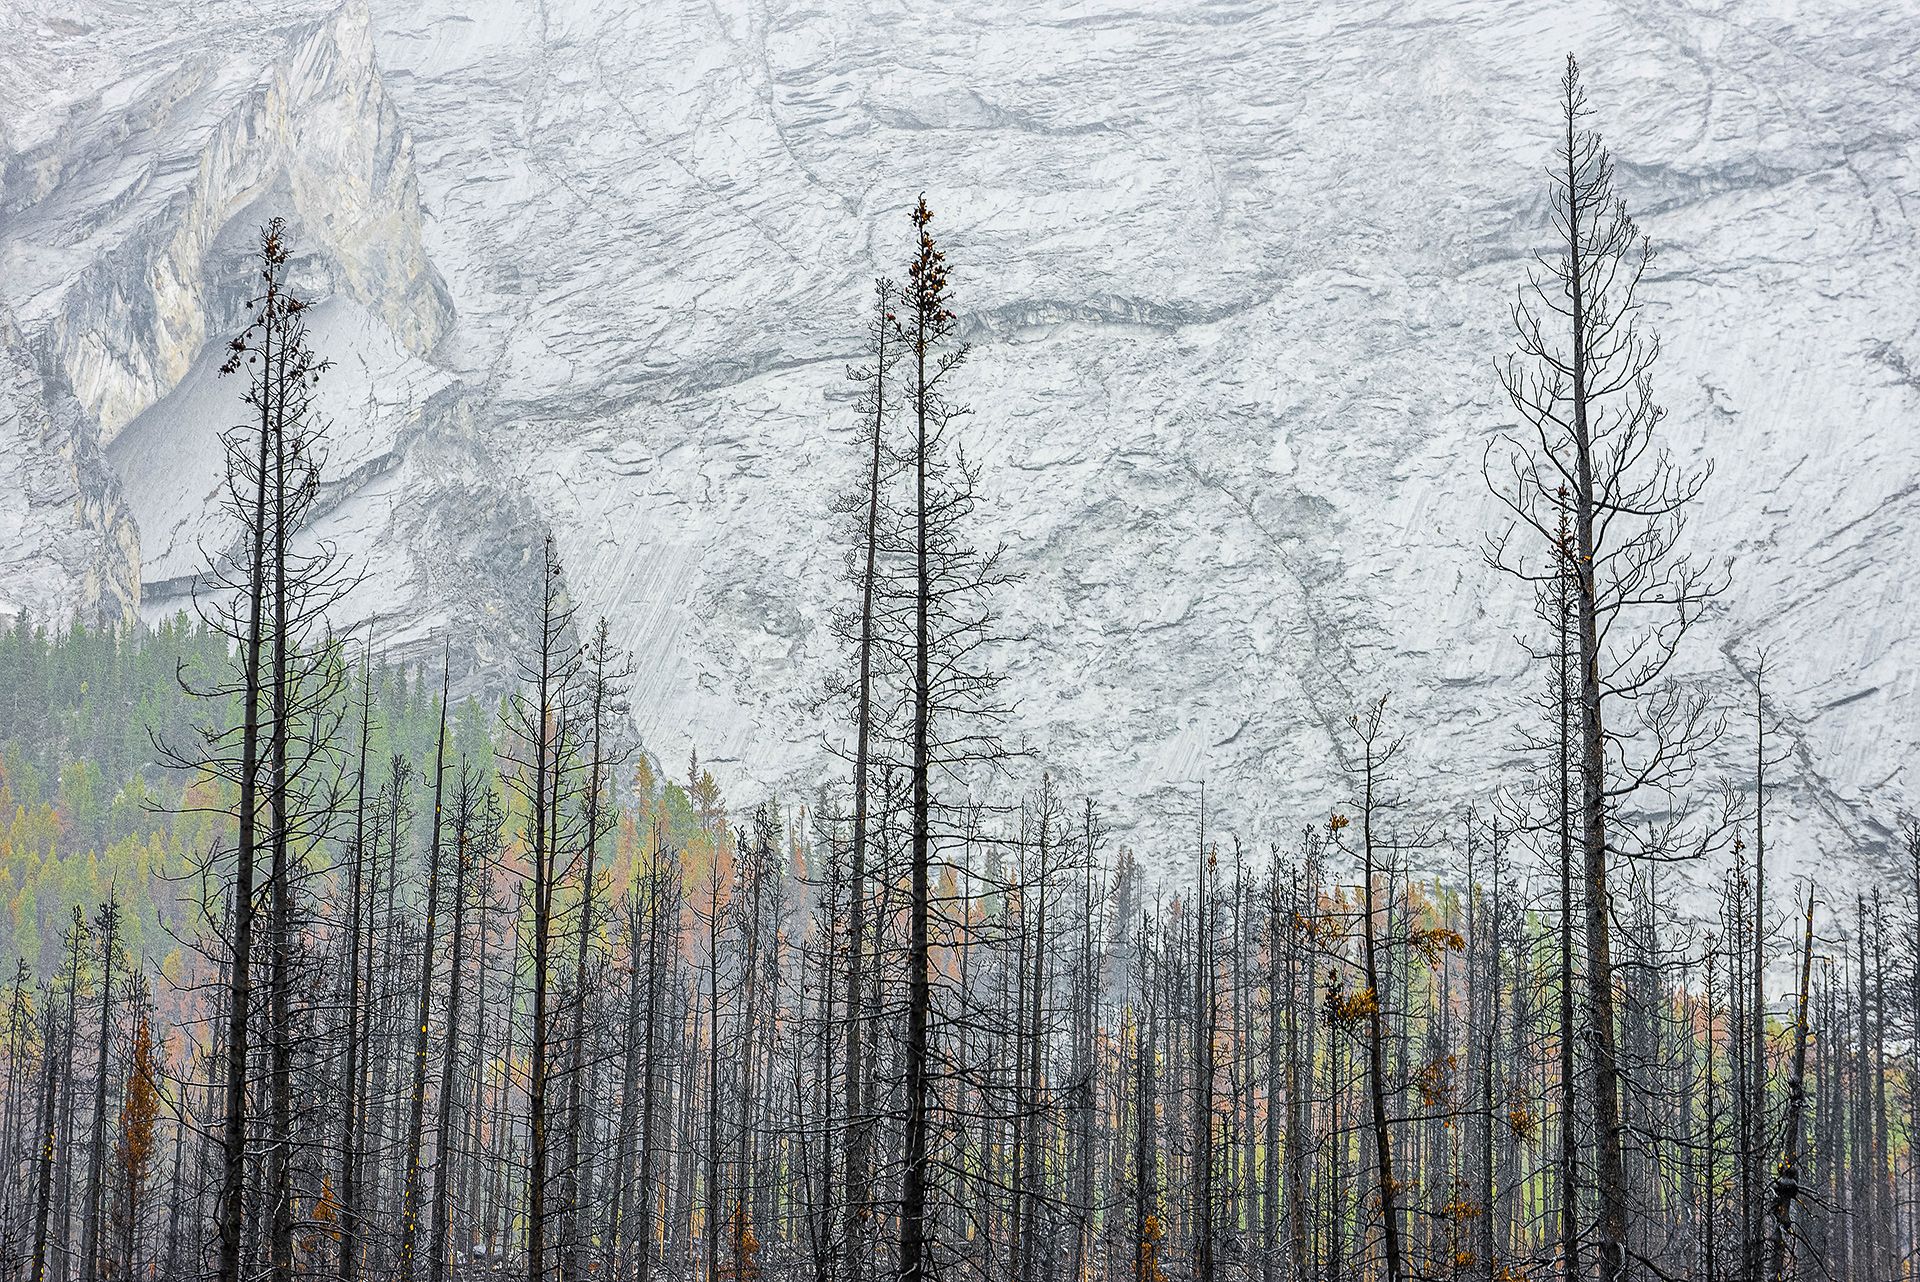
(1588,454)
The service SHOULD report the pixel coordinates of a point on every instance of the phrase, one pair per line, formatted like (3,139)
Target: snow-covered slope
(1237,274)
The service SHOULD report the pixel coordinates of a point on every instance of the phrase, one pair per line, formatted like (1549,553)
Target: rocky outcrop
(127,231)
(314,138)
(68,547)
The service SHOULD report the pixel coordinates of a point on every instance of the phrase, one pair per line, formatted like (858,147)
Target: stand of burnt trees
(488,994)
(1134,1083)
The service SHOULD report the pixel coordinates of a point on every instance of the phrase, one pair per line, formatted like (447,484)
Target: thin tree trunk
(914,1264)
(1786,1185)
(351,1069)
(109,924)
(52,1057)
(1376,1036)
(232,1201)
(423,1009)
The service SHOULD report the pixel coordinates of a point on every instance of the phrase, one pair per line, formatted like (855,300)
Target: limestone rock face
(1236,273)
(68,547)
(129,209)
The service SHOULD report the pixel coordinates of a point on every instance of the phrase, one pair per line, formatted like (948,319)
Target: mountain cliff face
(68,547)
(1236,274)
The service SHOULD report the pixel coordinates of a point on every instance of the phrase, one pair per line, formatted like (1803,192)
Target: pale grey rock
(1237,274)
(68,547)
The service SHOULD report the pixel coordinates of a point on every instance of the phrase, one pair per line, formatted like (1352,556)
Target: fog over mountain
(1237,277)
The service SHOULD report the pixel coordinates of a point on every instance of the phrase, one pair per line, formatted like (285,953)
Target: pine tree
(139,1114)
